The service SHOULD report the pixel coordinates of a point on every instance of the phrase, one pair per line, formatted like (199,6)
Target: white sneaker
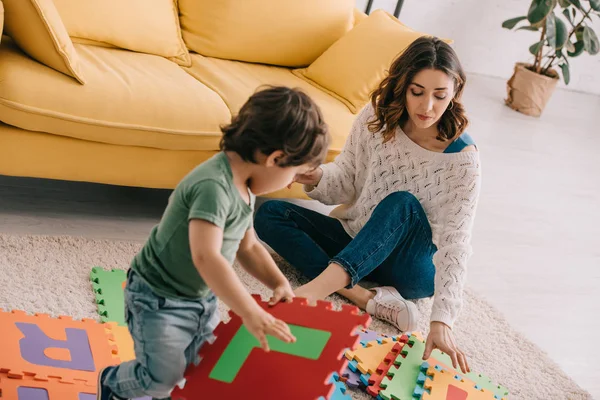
(389,306)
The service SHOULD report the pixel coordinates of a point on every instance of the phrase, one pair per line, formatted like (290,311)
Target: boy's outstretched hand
(261,323)
(282,292)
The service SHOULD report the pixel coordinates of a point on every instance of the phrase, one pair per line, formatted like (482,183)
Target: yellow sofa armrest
(1,20)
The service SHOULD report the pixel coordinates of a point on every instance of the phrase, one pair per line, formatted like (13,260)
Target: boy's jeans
(167,334)
(394,248)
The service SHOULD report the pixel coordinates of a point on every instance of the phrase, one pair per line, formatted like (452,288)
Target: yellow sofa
(141,119)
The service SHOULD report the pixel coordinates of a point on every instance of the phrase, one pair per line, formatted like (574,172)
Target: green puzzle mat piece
(483,382)
(110,297)
(403,379)
(309,344)
(403,382)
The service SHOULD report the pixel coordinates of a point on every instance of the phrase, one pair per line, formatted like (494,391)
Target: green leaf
(564,3)
(511,23)
(590,41)
(551,30)
(562,33)
(576,3)
(579,33)
(567,14)
(578,49)
(566,73)
(528,28)
(539,10)
(535,48)
(595,4)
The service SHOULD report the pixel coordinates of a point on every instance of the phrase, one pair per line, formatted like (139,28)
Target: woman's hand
(441,337)
(310,178)
(261,323)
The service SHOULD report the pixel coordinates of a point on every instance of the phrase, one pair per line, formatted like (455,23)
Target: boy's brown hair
(278,118)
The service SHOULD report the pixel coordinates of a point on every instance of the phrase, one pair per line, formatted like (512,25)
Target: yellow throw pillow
(290,33)
(359,16)
(352,67)
(37,29)
(143,26)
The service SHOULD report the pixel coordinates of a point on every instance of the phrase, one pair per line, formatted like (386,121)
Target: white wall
(483,45)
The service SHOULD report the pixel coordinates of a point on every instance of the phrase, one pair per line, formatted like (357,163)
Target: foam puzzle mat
(44,358)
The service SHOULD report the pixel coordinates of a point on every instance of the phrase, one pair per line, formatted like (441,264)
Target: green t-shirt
(206,193)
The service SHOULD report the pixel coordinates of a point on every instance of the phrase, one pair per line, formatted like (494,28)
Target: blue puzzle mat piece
(364,379)
(340,389)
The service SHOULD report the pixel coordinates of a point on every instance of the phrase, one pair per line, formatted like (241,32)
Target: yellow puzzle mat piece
(370,356)
(123,341)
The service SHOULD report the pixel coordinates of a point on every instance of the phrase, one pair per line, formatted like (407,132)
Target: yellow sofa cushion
(354,65)
(129,99)
(235,81)
(139,25)
(36,27)
(283,32)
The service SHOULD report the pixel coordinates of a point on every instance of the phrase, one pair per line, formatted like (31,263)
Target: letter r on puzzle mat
(42,347)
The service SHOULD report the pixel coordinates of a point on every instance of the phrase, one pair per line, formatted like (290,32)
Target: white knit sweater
(446,184)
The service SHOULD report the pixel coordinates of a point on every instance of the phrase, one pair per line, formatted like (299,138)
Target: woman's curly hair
(389,99)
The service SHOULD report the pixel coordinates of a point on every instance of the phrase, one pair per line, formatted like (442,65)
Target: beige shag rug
(50,275)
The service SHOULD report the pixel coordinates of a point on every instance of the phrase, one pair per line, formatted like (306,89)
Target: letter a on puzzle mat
(235,367)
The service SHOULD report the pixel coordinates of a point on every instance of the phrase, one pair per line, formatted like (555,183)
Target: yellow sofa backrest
(289,33)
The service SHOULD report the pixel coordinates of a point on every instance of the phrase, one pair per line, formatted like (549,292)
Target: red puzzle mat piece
(22,332)
(26,388)
(270,376)
(375,380)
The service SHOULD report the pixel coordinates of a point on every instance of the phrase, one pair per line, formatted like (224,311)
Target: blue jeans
(394,248)
(167,335)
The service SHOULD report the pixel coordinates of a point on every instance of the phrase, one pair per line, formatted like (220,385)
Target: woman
(408,180)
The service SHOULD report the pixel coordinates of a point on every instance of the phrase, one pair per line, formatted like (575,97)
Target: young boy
(171,308)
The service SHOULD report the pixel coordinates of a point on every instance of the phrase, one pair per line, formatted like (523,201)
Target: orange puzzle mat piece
(444,385)
(28,387)
(369,357)
(42,347)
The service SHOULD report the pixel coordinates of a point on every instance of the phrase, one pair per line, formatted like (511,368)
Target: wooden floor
(537,233)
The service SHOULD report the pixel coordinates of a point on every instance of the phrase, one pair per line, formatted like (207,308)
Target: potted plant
(563,33)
